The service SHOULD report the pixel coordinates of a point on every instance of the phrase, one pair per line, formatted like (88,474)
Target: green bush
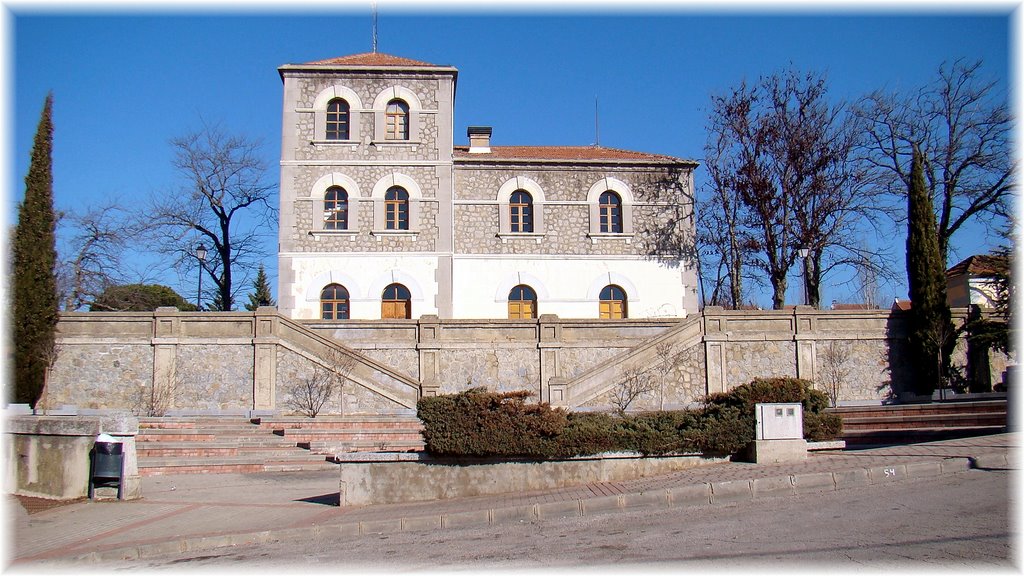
(481,423)
(588,433)
(727,423)
(720,430)
(772,390)
(819,426)
(655,433)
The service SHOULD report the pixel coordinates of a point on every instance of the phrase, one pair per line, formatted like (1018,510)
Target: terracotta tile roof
(371,59)
(898,304)
(984,265)
(574,153)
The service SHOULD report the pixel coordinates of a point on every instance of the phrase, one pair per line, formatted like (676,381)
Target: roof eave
(281,70)
(488,159)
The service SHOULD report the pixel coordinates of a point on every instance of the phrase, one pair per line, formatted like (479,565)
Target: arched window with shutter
(522,303)
(613,302)
(396,302)
(334,302)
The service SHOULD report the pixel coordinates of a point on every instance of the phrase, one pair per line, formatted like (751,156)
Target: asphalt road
(954,521)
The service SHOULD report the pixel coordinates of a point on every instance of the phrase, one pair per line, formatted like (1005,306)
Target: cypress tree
(261,294)
(931,328)
(34,299)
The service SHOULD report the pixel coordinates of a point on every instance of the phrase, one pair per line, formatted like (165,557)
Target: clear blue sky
(125,84)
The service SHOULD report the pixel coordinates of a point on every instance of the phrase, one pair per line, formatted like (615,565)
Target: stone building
(384,216)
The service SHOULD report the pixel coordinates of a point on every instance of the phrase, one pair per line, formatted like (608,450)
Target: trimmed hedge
(481,423)
(818,424)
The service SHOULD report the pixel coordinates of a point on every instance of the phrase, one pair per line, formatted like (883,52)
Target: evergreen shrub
(481,423)
(588,433)
(656,433)
(818,424)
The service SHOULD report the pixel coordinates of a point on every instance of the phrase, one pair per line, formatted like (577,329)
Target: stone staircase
(865,426)
(211,445)
(223,444)
(331,435)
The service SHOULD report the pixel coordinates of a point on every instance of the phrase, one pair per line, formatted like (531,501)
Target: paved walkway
(199,512)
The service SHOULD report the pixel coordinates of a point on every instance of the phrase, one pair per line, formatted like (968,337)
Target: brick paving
(179,510)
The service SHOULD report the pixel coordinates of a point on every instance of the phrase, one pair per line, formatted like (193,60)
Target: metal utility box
(779,421)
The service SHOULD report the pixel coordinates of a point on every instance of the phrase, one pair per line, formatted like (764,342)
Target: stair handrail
(578,394)
(330,343)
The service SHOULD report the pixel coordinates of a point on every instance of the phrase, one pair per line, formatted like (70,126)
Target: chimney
(479,139)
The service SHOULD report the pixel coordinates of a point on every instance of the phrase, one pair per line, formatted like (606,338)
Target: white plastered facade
(568,288)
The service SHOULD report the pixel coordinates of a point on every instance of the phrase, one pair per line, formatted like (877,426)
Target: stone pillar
(714,350)
(166,335)
(806,346)
(428,344)
(806,352)
(265,340)
(549,346)
(557,391)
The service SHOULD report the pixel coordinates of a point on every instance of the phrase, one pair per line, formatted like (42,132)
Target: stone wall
(240,362)
(660,199)
(367,86)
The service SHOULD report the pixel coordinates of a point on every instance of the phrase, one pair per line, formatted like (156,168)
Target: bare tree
(835,369)
(726,246)
(634,381)
(784,177)
(226,202)
(867,285)
(963,126)
(93,248)
(152,400)
(310,394)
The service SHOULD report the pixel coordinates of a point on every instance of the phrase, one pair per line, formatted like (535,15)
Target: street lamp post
(201,256)
(803,257)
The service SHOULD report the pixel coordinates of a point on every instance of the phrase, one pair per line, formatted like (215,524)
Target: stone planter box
(409,477)
(48,456)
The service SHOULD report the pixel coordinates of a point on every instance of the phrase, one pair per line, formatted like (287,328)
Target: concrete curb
(713,493)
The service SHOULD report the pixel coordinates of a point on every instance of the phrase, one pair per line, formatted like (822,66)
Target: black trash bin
(107,467)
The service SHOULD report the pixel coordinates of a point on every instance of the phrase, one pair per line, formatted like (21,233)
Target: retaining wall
(389,482)
(240,362)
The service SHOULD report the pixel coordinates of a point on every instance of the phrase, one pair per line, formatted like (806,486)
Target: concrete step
(183,445)
(298,455)
(192,449)
(236,468)
(175,436)
(328,447)
(975,407)
(169,422)
(925,421)
(889,437)
(339,422)
(309,435)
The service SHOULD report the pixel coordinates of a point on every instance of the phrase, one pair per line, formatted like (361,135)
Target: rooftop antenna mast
(374,8)
(597,125)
